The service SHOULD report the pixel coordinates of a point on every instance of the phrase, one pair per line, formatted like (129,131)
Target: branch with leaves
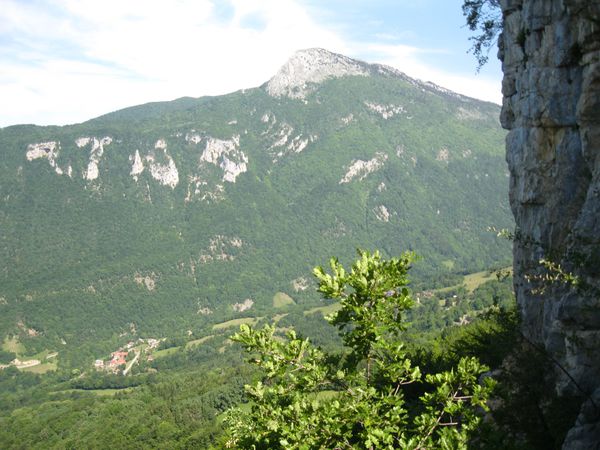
(306,401)
(484,17)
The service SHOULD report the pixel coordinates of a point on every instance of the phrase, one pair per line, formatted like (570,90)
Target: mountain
(168,217)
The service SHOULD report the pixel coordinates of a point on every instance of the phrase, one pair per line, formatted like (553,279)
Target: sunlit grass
(13,345)
(325,310)
(99,392)
(165,352)
(474,280)
(236,322)
(281,299)
(196,342)
(41,368)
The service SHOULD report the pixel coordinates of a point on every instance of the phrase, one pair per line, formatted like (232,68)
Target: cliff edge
(550,53)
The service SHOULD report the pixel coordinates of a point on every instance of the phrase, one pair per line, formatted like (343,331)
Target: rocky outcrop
(550,51)
(360,169)
(313,65)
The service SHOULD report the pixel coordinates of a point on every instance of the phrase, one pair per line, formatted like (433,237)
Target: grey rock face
(311,66)
(550,51)
(585,435)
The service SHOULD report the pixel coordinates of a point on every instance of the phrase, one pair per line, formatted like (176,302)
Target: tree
(484,16)
(371,396)
(6,357)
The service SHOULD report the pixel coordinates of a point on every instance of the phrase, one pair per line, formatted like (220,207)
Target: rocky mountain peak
(312,65)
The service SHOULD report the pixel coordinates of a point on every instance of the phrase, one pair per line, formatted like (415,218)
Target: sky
(67,61)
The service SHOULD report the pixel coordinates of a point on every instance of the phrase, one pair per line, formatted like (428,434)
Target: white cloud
(115,54)
(72,60)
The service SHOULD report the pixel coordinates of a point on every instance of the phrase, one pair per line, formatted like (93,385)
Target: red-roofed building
(118,358)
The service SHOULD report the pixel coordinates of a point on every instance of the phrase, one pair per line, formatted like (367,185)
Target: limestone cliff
(550,51)
(311,66)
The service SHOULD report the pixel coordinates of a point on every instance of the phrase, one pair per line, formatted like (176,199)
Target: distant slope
(161,218)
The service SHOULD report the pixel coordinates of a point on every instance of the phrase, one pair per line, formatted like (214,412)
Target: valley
(443,301)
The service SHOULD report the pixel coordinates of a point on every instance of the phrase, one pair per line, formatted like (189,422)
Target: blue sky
(66,61)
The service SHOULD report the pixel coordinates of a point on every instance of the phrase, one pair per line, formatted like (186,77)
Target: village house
(118,358)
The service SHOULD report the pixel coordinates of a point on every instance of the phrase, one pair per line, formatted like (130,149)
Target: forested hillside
(165,219)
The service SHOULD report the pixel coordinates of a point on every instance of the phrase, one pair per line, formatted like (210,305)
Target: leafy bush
(6,357)
(308,399)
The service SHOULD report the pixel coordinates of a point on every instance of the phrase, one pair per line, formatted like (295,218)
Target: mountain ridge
(315,65)
(281,85)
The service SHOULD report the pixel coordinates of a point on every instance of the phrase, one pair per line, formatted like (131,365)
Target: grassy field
(474,280)
(43,355)
(281,300)
(41,368)
(328,309)
(13,345)
(165,352)
(99,392)
(448,264)
(48,360)
(236,322)
(169,351)
(277,318)
(198,341)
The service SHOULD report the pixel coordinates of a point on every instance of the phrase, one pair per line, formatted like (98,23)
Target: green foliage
(199,381)
(553,274)
(490,338)
(175,409)
(97,380)
(485,17)
(371,311)
(6,357)
(528,415)
(308,399)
